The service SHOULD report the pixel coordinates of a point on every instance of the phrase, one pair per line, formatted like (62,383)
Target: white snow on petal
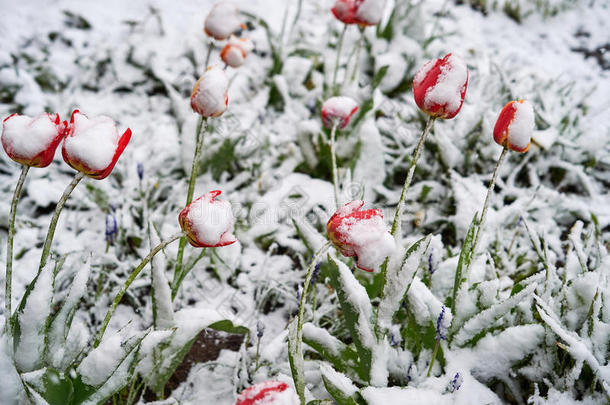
(234,57)
(422,72)
(449,85)
(211,220)
(370,11)
(522,126)
(211,96)
(370,238)
(222,21)
(338,107)
(93,142)
(26,137)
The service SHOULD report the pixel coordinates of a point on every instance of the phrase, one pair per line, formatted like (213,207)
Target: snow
(11,389)
(370,11)
(92,141)
(222,21)
(235,51)
(395,395)
(338,380)
(26,137)
(338,110)
(212,220)
(449,85)
(521,127)
(209,96)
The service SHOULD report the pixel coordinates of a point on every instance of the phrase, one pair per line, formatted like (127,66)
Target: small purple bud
(140,168)
(431,268)
(111,228)
(260,329)
(441,328)
(456,383)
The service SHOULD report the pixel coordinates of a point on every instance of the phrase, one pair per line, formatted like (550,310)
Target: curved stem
(405,187)
(333,157)
(490,190)
(189,199)
(339,46)
(299,335)
(134,274)
(9,245)
(60,205)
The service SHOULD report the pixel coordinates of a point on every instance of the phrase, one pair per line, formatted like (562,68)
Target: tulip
(208,222)
(515,125)
(268,393)
(222,21)
(235,51)
(361,12)
(439,86)
(338,110)
(32,141)
(93,146)
(361,234)
(210,94)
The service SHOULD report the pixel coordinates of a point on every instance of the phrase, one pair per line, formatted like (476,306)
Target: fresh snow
(521,127)
(93,141)
(26,137)
(449,85)
(222,21)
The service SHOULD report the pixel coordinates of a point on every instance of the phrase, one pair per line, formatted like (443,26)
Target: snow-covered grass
(531,310)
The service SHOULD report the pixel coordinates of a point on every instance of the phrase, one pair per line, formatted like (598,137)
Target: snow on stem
(134,274)
(299,332)
(46,250)
(333,157)
(339,46)
(9,245)
(189,198)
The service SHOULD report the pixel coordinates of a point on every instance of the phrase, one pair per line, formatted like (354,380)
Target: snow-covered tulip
(93,145)
(361,233)
(32,141)
(268,393)
(440,85)
(338,110)
(515,125)
(235,51)
(208,222)
(361,12)
(210,95)
(222,21)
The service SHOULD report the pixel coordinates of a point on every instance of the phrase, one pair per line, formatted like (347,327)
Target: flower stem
(405,187)
(189,199)
(433,357)
(46,250)
(207,57)
(486,204)
(134,274)
(333,157)
(339,46)
(9,246)
(299,335)
(358,47)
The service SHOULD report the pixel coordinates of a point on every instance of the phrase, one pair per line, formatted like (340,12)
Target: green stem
(299,334)
(134,274)
(207,57)
(339,46)
(189,198)
(486,204)
(358,47)
(405,187)
(333,157)
(9,246)
(46,250)
(433,357)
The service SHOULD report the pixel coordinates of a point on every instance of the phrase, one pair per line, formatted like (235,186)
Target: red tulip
(339,110)
(210,94)
(93,146)
(268,393)
(208,222)
(361,234)
(32,141)
(235,51)
(222,21)
(515,125)
(361,12)
(439,86)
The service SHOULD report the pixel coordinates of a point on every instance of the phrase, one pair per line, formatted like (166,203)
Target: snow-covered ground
(137,63)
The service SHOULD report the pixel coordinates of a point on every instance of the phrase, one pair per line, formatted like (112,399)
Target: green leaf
(227,326)
(464,261)
(320,402)
(342,393)
(222,160)
(379,76)
(295,358)
(58,389)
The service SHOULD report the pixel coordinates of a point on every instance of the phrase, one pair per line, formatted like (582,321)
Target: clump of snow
(449,86)
(102,361)
(338,110)
(11,388)
(222,21)
(209,222)
(397,67)
(338,380)
(522,126)
(92,141)
(25,137)
(209,97)
(370,11)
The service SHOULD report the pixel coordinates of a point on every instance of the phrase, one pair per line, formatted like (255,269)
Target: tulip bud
(111,228)
(222,21)
(361,12)
(439,86)
(140,170)
(268,393)
(235,51)
(338,110)
(93,146)
(361,234)
(32,141)
(515,125)
(210,94)
(208,222)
